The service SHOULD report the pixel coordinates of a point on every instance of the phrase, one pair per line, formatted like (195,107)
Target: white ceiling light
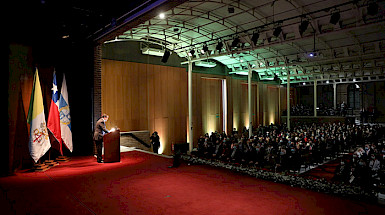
(205,64)
(152,51)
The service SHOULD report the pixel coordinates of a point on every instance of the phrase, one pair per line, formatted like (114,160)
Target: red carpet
(325,171)
(142,184)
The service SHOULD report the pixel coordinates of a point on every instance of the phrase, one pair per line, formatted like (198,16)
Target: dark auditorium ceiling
(308,40)
(40,21)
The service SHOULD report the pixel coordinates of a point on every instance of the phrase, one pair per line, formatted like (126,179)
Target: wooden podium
(112,147)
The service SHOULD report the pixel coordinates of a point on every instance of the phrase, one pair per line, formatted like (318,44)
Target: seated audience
(276,149)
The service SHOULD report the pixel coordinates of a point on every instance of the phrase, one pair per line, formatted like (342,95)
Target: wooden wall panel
(272,105)
(237,121)
(153,97)
(240,104)
(197,106)
(212,119)
(264,111)
(230,105)
(146,97)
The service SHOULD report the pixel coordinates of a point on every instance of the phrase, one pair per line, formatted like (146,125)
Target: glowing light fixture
(205,49)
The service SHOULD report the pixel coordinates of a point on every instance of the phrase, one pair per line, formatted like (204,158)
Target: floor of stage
(142,183)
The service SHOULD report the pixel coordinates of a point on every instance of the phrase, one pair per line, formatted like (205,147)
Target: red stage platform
(142,183)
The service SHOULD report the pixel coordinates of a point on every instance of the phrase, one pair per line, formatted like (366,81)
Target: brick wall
(97,96)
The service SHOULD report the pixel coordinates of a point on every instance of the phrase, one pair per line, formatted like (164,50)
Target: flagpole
(39,142)
(40,167)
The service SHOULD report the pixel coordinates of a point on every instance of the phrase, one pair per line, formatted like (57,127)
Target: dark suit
(155,143)
(100,130)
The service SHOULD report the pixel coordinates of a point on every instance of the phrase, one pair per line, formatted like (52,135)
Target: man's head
(105,117)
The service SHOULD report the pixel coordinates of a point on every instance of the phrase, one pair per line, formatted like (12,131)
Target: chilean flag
(54,117)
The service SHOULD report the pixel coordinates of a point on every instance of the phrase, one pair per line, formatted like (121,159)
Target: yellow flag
(39,142)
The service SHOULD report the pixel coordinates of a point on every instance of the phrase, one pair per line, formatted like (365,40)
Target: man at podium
(100,131)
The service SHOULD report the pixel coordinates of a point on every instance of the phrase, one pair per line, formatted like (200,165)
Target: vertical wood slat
(153,97)
(146,97)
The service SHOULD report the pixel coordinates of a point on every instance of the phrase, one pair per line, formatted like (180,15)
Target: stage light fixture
(191,53)
(255,38)
(313,54)
(335,17)
(165,57)
(231,9)
(235,42)
(162,15)
(277,31)
(219,46)
(303,26)
(205,49)
(276,78)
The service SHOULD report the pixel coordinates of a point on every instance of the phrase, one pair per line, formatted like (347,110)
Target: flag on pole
(39,142)
(53,123)
(65,117)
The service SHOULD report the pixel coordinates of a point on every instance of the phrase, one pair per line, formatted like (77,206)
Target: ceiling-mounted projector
(205,64)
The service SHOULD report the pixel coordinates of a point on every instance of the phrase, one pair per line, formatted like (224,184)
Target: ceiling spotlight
(235,42)
(219,46)
(303,26)
(191,53)
(304,83)
(335,17)
(313,54)
(162,15)
(165,57)
(277,31)
(205,49)
(255,38)
(276,78)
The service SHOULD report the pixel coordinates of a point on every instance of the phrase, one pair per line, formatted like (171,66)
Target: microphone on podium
(114,129)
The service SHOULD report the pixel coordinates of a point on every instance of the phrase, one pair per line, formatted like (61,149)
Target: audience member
(275,148)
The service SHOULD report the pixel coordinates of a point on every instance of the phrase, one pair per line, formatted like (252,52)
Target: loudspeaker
(181,148)
(165,57)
